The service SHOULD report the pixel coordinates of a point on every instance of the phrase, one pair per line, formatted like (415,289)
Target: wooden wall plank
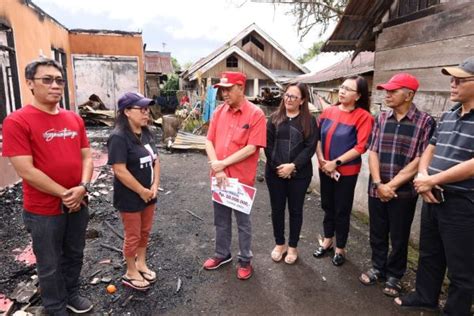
(431,79)
(456,21)
(434,103)
(250,71)
(440,53)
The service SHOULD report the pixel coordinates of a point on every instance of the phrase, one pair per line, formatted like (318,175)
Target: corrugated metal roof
(363,63)
(354,31)
(158,62)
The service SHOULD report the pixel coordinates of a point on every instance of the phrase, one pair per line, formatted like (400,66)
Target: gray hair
(407,92)
(30,69)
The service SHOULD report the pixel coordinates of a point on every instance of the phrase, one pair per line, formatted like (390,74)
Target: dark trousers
(336,201)
(223,223)
(392,218)
(447,240)
(294,191)
(58,244)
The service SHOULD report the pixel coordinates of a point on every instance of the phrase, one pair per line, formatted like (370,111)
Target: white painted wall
(106,76)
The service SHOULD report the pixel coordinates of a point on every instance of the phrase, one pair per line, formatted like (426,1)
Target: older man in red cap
(445,181)
(399,137)
(236,133)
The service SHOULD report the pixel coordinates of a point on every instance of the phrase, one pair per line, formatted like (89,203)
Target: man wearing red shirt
(49,150)
(236,134)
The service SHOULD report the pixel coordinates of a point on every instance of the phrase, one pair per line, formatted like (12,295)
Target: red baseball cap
(402,80)
(230,78)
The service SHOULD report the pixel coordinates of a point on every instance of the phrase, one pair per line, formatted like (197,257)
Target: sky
(189,29)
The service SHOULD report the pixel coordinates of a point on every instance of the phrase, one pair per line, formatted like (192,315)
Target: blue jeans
(58,244)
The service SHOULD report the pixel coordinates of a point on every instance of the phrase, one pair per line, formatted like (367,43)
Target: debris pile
(186,140)
(95,113)
(103,263)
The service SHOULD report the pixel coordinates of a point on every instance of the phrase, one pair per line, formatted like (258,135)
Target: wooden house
(325,83)
(157,68)
(415,36)
(253,52)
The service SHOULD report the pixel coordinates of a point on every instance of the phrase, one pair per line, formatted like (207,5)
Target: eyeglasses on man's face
(291,97)
(49,81)
(143,109)
(346,88)
(458,81)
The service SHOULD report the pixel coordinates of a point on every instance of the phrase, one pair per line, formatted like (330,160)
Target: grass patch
(362,217)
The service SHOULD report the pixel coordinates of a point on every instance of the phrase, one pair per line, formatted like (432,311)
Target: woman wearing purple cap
(136,179)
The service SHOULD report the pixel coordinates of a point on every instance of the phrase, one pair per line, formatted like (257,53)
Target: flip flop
(149,275)
(129,282)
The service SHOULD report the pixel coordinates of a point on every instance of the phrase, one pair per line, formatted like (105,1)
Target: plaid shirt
(397,143)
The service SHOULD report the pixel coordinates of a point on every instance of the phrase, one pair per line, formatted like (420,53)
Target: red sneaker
(214,263)
(244,271)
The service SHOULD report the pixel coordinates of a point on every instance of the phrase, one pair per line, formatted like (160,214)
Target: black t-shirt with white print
(139,154)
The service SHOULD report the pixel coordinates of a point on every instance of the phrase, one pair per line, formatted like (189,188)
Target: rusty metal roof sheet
(362,63)
(158,62)
(354,31)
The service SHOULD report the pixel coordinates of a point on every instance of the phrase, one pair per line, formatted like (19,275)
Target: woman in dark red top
(345,129)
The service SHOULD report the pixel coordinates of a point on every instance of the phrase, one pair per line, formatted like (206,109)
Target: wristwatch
(338,162)
(87,186)
(376,184)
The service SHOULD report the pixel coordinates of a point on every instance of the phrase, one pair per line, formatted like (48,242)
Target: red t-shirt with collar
(231,130)
(55,142)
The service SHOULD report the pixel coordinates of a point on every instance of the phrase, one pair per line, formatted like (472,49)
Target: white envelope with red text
(235,195)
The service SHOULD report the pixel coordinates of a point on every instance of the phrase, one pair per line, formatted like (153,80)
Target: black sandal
(373,275)
(321,251)
(393,287)
(411,302)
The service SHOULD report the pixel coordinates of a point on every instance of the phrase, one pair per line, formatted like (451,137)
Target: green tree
(172,84)
(312,51)
(175,64)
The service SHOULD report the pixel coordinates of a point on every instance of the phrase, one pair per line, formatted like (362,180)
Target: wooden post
(255,87)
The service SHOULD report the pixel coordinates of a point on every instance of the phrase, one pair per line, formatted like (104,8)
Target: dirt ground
(180,242)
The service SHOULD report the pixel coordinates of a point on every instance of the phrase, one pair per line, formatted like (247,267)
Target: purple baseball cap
(133,99)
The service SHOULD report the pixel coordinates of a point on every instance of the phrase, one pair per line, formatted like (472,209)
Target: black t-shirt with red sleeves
(139,155)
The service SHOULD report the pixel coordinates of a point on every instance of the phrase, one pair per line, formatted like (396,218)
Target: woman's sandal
(393,287)
(410,302)
(291,257)
(278,255)
(133,283)
(373,275)
(149,275)
(321,251)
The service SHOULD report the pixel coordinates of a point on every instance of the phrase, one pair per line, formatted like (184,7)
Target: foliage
(187,64)
(312,51)
(172,84)
(310,13)
(175,64)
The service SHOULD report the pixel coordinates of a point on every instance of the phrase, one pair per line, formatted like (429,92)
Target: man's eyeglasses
(49,80)
(346,88)
(458,81)
(291,97)
(143,109)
